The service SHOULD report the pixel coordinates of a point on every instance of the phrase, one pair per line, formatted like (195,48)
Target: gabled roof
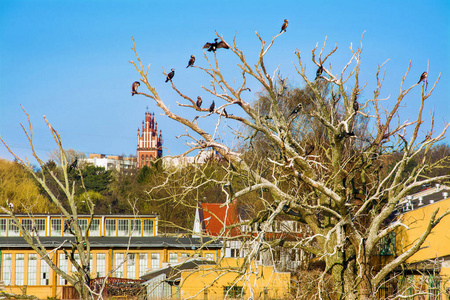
(215,217)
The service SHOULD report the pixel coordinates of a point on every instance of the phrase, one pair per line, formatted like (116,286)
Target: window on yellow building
(136,227)
(45,273)
(131,265)
(32,268)
(76,256)
(173,257)
(64,266)
(233,291)
(209,256)
(27,224)
(20,268)
(83,225)
(110,229)
(101,265)
(40,226)
(13,229)
(94,230)
(2,227)
(56,227)
(155,260)
(6,268)
(118,264)
(148,228)
(123,228)
(142,263)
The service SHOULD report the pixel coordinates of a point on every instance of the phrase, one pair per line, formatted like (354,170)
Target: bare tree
(330,176)
(79,253)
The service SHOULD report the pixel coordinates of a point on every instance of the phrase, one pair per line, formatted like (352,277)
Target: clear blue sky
(68,59)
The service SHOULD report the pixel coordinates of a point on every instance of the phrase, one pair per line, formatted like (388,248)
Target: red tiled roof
(216,217)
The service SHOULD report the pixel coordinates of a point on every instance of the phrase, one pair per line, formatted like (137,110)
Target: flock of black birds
(222,44)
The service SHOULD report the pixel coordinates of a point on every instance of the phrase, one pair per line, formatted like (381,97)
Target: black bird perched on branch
(73,165)
(191,61)
(134,87)
(296,110)
(356,106)
(216,45)
(170,75)
(285,24)
(211,108)
(423,77)
(319,72)
(199,101)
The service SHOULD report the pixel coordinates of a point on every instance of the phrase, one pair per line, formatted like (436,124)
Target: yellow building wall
(259,282)
(54,288)
(437,243)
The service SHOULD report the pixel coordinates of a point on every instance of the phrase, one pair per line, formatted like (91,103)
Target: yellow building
(428,270)
(129,245)
(228,279)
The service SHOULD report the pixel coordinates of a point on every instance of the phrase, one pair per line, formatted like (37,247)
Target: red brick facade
(149,144)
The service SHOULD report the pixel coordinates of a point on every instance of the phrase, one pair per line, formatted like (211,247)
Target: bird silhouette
(356,106)
(199,102)
(191,61)
(216,45)
(285,24)
(225,113)
(319,72)
(423,77)
(170,75)
(211,108)
(309,149)
(296,110)
(134,87)
(73,165)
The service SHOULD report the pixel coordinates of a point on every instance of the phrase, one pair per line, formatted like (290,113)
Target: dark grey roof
(118,242)
(173,272)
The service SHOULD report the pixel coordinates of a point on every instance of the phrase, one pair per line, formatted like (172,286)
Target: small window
(27,225)
(173,257)
(20,268)
(40,227)
(136,227)
(142,263)
(32,268)
(64,266)
(56,227)
(6,268)
(155,261)
(233,291)
(2,227)
(101,265)
(148,228)
(13,229)
(110,227)
(123,228)
(83,223)
(94,230)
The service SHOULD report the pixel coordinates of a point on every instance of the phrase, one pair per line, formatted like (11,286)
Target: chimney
(420,201)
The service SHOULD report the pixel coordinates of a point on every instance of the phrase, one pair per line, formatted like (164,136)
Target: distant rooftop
(425,197)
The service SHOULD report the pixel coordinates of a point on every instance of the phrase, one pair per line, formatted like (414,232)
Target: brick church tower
(149,144)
